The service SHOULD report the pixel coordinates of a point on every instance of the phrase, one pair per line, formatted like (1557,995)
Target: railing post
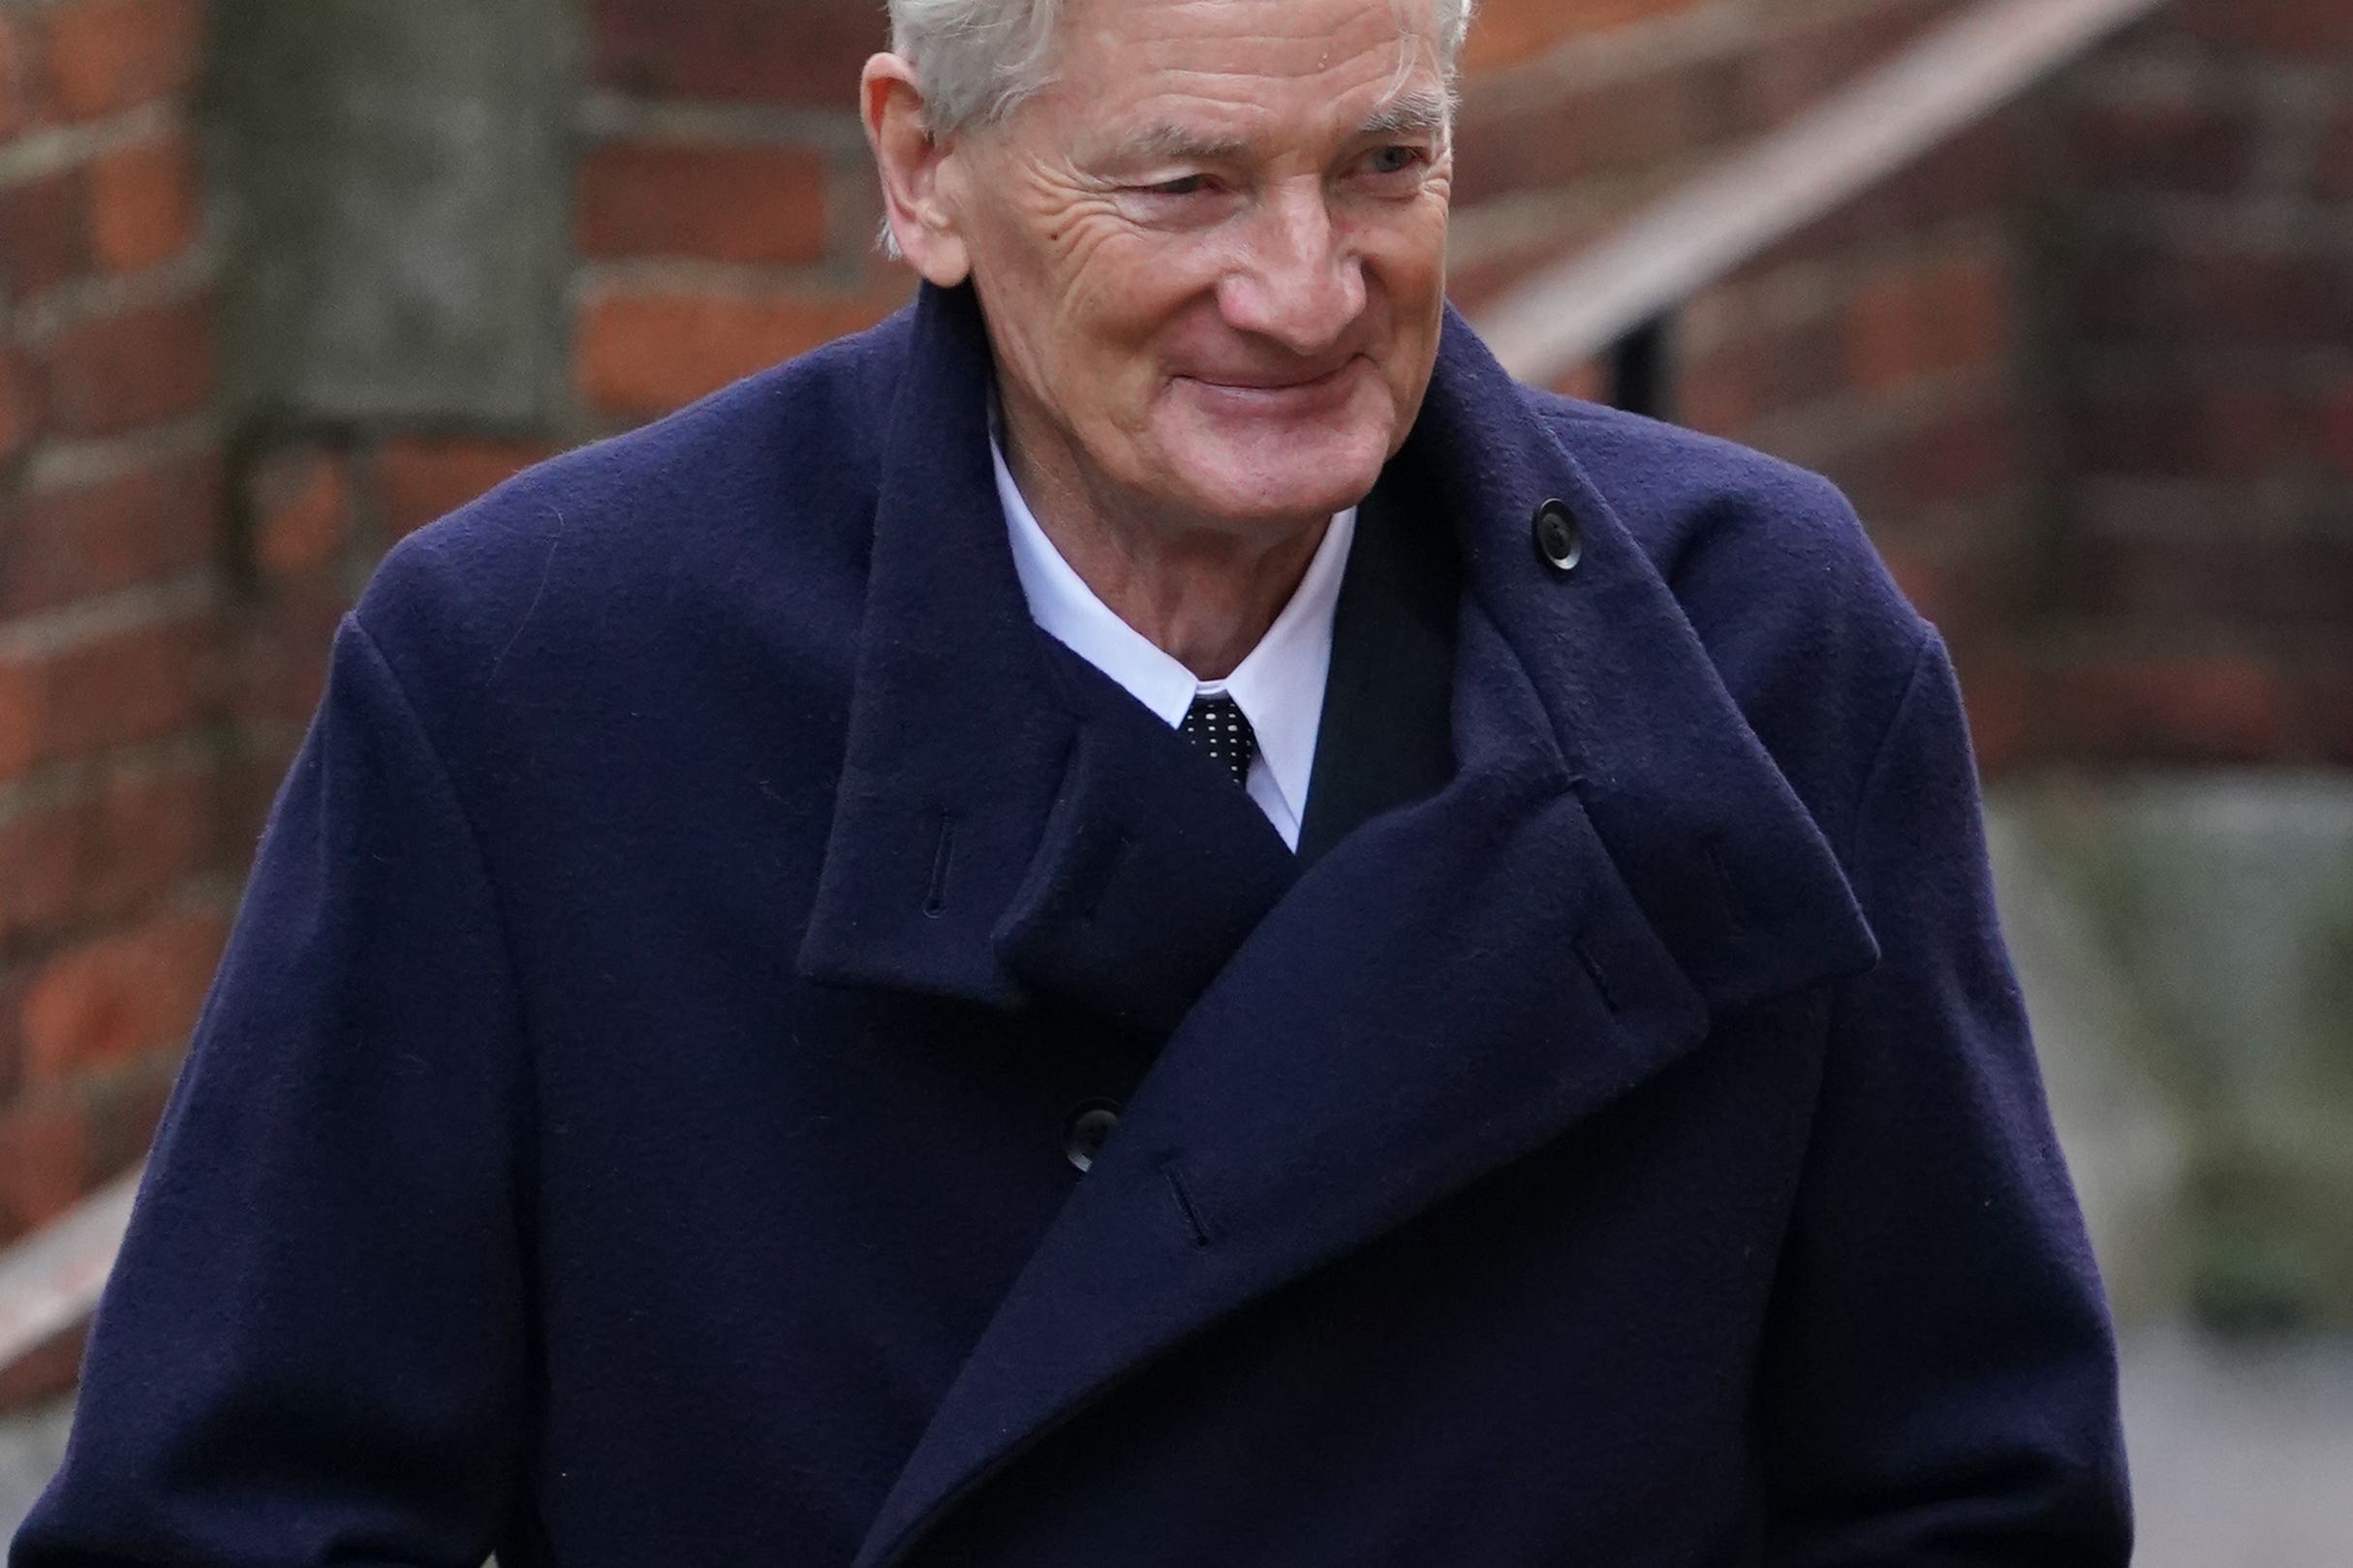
(1642,369)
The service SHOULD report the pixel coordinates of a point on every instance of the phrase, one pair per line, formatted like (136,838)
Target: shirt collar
(1279,687)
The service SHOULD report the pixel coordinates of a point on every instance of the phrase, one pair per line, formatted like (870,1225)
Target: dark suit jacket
(628,1124)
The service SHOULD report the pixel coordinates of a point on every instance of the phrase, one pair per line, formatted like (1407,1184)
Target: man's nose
(1296,282)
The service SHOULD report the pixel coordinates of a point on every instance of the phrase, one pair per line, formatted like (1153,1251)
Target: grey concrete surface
(2186,945)
(395,192)
(2241,1457)
(31,1445)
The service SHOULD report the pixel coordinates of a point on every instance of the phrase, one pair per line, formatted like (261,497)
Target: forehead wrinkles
(1113,48)
(1241,90)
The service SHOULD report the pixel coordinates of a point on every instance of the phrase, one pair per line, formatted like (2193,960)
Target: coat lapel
(1614,862)
(1010,827)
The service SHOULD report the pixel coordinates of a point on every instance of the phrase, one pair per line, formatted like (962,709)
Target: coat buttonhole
(1597,974)
(1186,1208)
(935,898)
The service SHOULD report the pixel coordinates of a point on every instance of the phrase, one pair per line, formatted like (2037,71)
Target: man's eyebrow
(1175,144)
(1413,114)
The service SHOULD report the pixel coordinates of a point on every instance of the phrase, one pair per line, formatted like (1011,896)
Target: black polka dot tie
(1214,724)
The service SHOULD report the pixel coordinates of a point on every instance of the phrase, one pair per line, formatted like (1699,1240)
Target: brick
(250,783)
(2216,292)
(19,108)
(143,204)
(279,661)
(1912,323)
(2328,688)
(1980,175)
(40,1161)
(1484,272)
(112,374)
(716,204)
(2183,707)
(1958,581)
(16,416)
(2333,172)
(158,518)
(2191,572)
(419,480)
(808,53)
(2306,29)
(1998,694)
(111,998)
(44,233)
(1734,384)
(1589,381)
(647,353)
(12,1049)
(1511,32)
(2171,144)
(126,688)
(106,852)
(1791,69)
(106,57)
(122,1105)
(1962,456)
(1630,128)
(1765,372)
(1966,454)
(2256,296)
(38,851)
(2334,431)
(299,504)
(2216,430)
(47,1372)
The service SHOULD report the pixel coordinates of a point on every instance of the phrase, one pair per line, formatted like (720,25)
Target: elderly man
(1143,918)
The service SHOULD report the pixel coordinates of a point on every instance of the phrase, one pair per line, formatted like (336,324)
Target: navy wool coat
(628,1125)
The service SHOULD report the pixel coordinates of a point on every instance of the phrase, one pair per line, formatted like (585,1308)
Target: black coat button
(1089,1126)
(1560,537)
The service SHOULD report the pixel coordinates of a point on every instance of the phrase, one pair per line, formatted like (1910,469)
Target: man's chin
(1247,503)
(1271,479)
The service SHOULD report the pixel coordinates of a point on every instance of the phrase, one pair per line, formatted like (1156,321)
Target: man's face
(1212,254)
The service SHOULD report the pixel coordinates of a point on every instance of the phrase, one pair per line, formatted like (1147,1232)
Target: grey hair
(979,59)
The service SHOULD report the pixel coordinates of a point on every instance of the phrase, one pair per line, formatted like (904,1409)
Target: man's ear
(910,159)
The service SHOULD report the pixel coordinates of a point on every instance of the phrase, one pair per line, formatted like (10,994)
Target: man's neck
(1203,596)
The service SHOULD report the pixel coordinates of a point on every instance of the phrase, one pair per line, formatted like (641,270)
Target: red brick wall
(117,658)
(726,203)
(2201,591)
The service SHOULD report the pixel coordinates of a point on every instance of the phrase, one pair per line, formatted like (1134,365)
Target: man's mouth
(1281,382)
(1283,394)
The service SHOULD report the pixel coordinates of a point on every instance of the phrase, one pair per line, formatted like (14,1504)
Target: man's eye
(1189,185)
(1395,160)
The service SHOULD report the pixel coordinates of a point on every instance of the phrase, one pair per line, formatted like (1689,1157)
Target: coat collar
(1615,862)
(995,785)
(992,783)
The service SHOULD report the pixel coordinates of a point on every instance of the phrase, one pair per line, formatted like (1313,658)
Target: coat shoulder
(770,481)
(1772,568)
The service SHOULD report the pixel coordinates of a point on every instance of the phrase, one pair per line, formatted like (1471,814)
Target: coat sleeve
(1939,1374)
(313,1348)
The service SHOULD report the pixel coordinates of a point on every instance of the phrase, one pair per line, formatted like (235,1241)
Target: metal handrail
(1616,293)
(1615,298)
(51,1280)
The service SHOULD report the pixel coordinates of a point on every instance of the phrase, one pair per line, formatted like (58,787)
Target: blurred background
(284,280)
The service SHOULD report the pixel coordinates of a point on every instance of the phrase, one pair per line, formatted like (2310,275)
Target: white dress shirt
(1279,687)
